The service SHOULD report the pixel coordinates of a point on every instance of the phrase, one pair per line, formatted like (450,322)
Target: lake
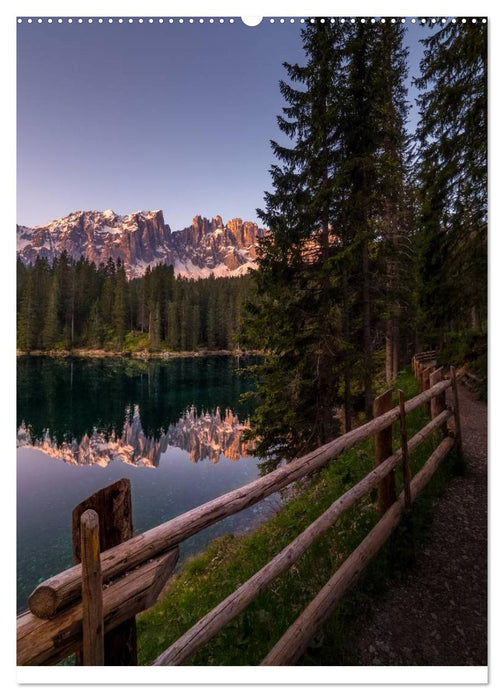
(173,427)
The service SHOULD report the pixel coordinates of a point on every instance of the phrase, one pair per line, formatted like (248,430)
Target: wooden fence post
(383,449)
(421,369)
(113,505)
(456,410)
(438,403)
(92,602)
(404,449)
(425,379)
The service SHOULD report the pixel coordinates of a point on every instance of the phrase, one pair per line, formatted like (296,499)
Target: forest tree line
(74,304)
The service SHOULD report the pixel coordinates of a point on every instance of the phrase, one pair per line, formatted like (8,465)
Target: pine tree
(211,313)
(372,216)
(27,321)
(50,332)
(172,335)
(359,213)
(64,269)
(452,176)
(329,276)
(155,328)
(361,148)
(88,283)
(184,319)
(295,318)
(95,332)
(194,327)
(390,70)
(107,295)
(120,306)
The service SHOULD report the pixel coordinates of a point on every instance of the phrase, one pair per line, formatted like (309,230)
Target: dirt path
(438,614)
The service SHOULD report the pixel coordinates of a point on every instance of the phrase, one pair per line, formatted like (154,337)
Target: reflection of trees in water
(203,436)
(72,396)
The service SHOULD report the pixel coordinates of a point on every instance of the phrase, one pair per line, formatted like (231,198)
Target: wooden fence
(68,615)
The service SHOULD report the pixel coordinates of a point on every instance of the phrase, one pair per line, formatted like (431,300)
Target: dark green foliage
(120,305)
(294,315)
(463,347)
(50,331)
(28,318)
(452,176)
(468,348)
(329,277)
(73,304)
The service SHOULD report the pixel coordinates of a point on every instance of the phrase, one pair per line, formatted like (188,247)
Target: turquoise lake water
(173,427)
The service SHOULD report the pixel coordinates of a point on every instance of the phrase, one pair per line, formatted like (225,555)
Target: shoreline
(136,354)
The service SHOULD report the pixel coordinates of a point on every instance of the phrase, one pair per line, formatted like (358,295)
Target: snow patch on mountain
(142,239)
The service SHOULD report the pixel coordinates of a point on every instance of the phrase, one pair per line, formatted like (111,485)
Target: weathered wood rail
(422,365)
(53,628)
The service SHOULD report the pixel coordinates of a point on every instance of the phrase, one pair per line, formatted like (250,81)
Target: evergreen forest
(379,245)
(74,304)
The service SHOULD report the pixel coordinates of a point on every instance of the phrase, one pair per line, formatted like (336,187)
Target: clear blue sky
(150,116)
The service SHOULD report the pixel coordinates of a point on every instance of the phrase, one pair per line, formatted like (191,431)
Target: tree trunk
(396,346)
(347,366)
(366,299)
(389,350)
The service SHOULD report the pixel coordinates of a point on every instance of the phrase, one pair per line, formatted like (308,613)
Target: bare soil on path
(436,615)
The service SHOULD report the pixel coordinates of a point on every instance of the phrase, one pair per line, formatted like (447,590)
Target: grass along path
(206,580)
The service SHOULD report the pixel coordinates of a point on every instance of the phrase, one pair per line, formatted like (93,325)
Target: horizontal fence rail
(58,591)
(215,620)
(41,641)
(297,638)
(135,571)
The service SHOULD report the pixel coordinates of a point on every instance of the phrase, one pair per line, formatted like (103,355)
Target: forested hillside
(73,304)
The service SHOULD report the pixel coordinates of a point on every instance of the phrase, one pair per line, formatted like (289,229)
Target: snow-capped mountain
(204,436)
(143,238)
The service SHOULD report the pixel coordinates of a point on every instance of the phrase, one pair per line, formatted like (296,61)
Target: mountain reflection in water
(182,418)
(205,436)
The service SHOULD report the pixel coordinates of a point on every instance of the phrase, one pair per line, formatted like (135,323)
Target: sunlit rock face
(207,436)
(137,239)
(207,247)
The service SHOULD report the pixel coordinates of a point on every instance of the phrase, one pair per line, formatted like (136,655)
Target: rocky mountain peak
(142,238)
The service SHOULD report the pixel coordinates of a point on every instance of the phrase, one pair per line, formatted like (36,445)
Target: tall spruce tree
(294,317)
(371,220)
(50,331)
(360,140)
(372,215)
(329,276)
(452,176)
(120,305)
(393,205)
(28,318)
(95,330)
